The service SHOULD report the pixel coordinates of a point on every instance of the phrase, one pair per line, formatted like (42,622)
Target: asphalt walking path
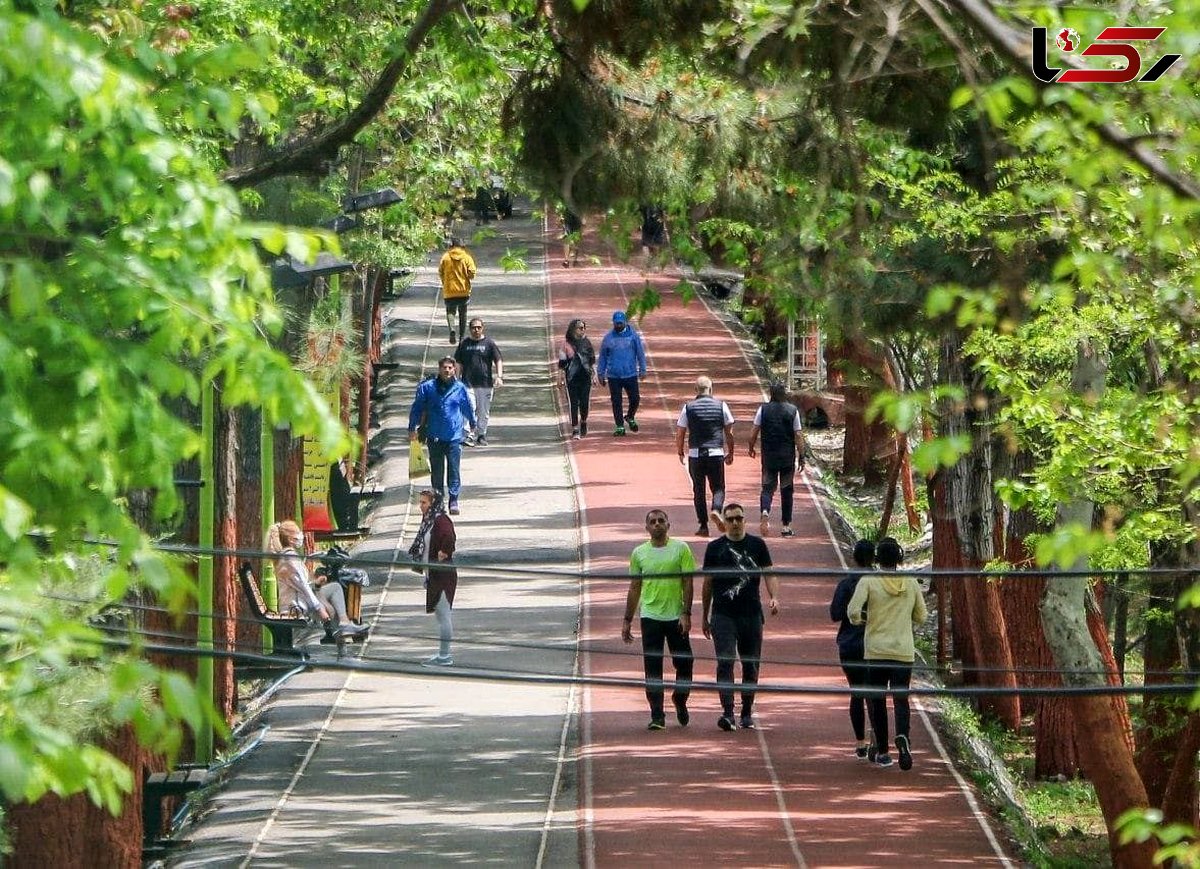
(455,766)
(446,766)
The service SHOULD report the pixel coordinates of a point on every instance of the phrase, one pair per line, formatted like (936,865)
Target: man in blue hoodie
(443,403)
(622,362)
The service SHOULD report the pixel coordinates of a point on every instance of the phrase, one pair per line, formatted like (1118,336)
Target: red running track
(790,793)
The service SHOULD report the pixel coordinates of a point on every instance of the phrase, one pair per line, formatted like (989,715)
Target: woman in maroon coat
(434,543)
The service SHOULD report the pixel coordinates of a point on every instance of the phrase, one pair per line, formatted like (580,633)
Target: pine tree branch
(1013,47)
(312,151)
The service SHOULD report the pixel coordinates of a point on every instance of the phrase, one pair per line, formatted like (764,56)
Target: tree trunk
(867,446)
(1108,762)
(225,591)
(972,502)
(248,635)
(74,833)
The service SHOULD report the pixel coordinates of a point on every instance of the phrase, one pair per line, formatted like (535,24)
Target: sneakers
(469,440)
(747,723)
(764,523)
(574,434)
(787,531)
(726,723)
(681,712)
(566,264)
(619,431)
(883,760)
(453,337)
(702,531)
(632,423)
(438,661)
(871,752)
(905,752)
(481,441)
(657,724)
(583,428)
(717,520)
(860,751)
(453,507)
(350,630)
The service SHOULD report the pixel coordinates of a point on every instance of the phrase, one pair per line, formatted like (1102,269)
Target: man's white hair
(704,385)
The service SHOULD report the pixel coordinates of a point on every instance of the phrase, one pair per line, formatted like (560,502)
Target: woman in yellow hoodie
(895,605)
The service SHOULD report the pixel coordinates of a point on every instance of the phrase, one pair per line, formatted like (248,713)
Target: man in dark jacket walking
(622,363)
(443,403)
(782,453)
(707,425)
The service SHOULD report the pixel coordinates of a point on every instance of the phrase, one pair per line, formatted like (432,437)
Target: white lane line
(573,697)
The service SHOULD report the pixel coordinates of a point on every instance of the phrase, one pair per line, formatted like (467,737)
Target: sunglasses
(735,518)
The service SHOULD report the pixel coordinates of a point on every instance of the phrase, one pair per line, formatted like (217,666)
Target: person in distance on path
(896,605)
(477,356)
(444,404)
(622,363)
(707,425)
(782,445)
(733,615)
(434,542)
(457,270)
(665,593)
(850,644)
(577,364)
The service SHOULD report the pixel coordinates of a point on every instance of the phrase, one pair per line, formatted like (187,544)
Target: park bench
(157,787)
(280,625)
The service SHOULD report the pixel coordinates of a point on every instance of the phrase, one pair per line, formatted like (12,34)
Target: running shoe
(747,723)
(786,531)
(883,760)
(681,712)
(657,724)
(726,723)
(438,661)
(453,337)
(481,441)
(860,751)
(904,751)
(872,751)
(619,431)
(454,507)
(574,434)
(583,429)
(632,423)
(702,531)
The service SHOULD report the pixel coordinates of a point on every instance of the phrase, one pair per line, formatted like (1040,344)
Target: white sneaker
(438,661)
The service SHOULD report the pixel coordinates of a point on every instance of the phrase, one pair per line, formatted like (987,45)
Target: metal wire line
(402,668)
(593,648)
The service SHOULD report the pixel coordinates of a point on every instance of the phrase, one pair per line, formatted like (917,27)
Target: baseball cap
(618,316)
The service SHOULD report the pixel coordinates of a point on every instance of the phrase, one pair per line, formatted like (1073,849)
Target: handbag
(418,461)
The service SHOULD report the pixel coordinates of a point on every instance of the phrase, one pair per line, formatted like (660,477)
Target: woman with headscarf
(577,362)
(327,602)
(434,543)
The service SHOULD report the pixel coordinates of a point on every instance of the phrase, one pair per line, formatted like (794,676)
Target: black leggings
(579,394)
(888,674)
(856,677)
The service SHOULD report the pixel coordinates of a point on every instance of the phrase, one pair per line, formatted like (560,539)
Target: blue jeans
(629,385)
(444,459)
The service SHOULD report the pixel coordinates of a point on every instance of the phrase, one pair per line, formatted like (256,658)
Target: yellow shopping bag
(418,461)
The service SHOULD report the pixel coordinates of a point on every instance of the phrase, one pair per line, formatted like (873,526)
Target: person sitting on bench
(286,540)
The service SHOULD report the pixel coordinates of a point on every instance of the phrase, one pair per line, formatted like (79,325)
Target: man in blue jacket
(443,403)
(622,362)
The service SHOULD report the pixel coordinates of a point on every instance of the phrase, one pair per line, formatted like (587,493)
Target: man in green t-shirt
(666,597)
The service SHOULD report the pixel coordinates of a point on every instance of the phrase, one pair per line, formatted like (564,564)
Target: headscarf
(417,550)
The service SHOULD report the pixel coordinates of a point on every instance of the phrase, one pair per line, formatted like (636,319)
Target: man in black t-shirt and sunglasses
(731,596)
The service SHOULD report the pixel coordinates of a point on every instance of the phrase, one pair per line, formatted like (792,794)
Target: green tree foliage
(127,279)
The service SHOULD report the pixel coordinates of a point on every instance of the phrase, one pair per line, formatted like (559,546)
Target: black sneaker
(702,531)
(860,751)
(619,431)
(453,337)
(787,532)
(632,423)
(481,441)
(657,724)
(583,428)
(872,751)
(883,760)
(574,434)
(726,723)
(681,712)
(905,753)
(747,723)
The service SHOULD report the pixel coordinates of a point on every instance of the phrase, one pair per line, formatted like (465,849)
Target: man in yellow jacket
(456,270)
(895,606)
